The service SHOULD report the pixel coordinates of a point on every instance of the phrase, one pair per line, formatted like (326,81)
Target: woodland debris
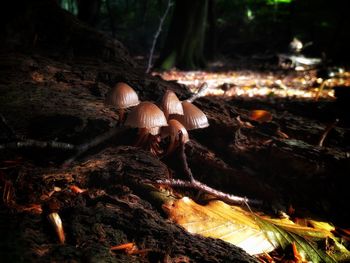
(326,131)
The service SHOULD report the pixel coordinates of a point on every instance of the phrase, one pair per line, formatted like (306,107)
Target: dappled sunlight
(258,84)
(255,232)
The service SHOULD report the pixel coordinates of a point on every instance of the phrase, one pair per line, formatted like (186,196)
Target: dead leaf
(219,220)
(260,116)
(256,233)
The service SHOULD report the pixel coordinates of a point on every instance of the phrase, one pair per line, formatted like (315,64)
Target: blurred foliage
(242,27)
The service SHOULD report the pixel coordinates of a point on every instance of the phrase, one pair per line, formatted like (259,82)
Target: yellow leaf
(219,220)
(255,233)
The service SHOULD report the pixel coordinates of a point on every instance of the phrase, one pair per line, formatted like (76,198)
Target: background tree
(88,11)
(184,44)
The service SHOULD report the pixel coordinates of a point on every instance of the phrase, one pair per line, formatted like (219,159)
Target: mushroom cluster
(154,123)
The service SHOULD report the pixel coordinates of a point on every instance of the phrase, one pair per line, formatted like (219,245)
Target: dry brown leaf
(260,116)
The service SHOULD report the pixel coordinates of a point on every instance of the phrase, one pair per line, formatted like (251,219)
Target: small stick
(326,132)
(187,169)
(37,144)
(320,89)
(201,186)
(82,148)
(202,89)
(207,189)
(149,65)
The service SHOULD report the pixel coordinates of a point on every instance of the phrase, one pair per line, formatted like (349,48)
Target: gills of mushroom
(171,104)
(122,96)
(148,118)
(173,131)
(193,117)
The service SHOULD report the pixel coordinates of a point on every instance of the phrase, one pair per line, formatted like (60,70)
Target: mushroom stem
(171,146)
(166,114)
(187,169)
(154,145)
(121,116)
(142,137)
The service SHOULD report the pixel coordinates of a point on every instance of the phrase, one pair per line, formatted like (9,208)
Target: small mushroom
(122,96)
(171,104)
(173,130)
(148,118)
(193,117)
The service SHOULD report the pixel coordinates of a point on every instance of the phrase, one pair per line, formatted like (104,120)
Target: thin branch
(207,189)
(187,169)
(149,65)
(326,132)
(203,187)
(82,148)
(200,93)
(37,144)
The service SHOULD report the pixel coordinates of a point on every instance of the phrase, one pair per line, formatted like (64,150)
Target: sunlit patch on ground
(257,84)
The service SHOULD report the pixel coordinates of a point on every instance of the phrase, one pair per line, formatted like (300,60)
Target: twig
(82,148)
(203,187)
(200,93)
(187,169)
(326,132)
(37,144)
(149,65)
(207,189)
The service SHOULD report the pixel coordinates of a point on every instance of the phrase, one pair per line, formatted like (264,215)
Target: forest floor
(278,161)
(110,196)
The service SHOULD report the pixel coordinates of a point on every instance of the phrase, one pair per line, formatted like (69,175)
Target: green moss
(169,62)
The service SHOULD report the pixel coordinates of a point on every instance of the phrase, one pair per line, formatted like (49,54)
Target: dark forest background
(231,28)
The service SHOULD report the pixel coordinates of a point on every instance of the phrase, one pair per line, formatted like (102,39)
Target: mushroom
(171,104)
(122,96)
(148,118)
(193,117)
(173,130)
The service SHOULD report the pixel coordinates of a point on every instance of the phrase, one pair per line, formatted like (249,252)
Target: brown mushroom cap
(193,117)
(175,127)
(171,104)
(122,96)
(146,115)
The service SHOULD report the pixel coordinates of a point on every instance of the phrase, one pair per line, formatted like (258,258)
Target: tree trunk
(184,44)
(88,11)
(211,37)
